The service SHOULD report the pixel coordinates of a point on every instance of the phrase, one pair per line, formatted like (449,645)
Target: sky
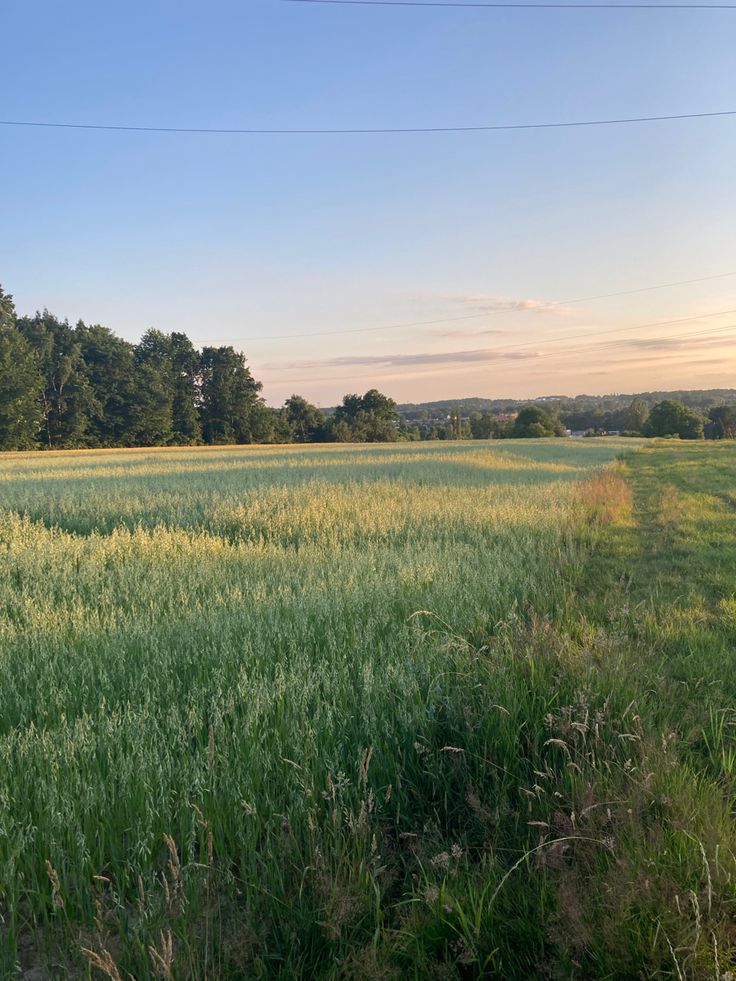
(432,265)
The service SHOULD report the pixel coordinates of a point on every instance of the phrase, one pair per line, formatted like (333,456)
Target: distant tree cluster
(579,412)
(672,418)
(371,418)
(533,423)
(722,422)
(667,418)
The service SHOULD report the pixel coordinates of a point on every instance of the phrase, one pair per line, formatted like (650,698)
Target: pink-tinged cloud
(677,343)
(492,303)
(477,356)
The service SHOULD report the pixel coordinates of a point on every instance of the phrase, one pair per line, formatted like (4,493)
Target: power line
(523,6)
(618,330)
(475,316)
(367,131)
(616,341)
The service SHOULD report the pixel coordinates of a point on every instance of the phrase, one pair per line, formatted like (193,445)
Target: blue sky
(245,239)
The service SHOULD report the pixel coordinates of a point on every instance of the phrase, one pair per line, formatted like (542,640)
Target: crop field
(439,710)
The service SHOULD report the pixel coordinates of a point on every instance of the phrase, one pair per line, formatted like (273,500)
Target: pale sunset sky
(433,265)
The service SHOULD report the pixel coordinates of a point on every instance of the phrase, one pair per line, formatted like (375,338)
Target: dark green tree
(112,376)
(67,397)
(305,420)
(153,412)
(175,360)
(21,383)
(7,310)
(340,431)
(535,422)
(723,418)
(150,409)
(371,418)
(231,408)
(483,425)
(636,416)
(265,424)
(282,431)
(185,365)
(349,410)
(672,418)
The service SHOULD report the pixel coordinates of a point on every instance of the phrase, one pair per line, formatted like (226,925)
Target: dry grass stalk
(56,897)
(104,962)
(162,956)
(173,889)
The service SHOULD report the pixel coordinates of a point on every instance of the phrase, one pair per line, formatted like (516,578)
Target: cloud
(411,360)
(652,356)
(634,363)
(676,343)
(464,332)
(492,303)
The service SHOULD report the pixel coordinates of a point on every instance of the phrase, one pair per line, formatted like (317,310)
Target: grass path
(655,616)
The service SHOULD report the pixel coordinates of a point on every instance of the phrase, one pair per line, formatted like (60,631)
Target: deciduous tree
(111,374)
(534,422)
(21,383)
(371,418)
(230,402)
(672,418)
(67,398)
(724,418)
(304,419)
(636,416)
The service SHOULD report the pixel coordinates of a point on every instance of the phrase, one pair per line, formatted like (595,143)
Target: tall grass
(306,713)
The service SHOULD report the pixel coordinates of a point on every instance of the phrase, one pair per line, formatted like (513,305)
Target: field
(439,710)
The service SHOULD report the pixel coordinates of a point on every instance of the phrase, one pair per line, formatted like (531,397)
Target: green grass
(231,745)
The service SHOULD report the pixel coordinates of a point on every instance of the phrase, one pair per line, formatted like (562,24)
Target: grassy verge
(654,622)
(608,834)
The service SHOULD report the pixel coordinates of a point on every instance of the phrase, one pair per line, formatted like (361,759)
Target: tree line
(554,417)
(588,411)
(667,418)
(82,386)
(64,386)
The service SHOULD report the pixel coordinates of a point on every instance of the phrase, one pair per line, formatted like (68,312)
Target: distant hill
(700,399)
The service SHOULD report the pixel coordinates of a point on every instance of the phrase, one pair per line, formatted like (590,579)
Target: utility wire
(595,346)
(476,316)
(497,357)
(593,335)
(367,131)
(523,6)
